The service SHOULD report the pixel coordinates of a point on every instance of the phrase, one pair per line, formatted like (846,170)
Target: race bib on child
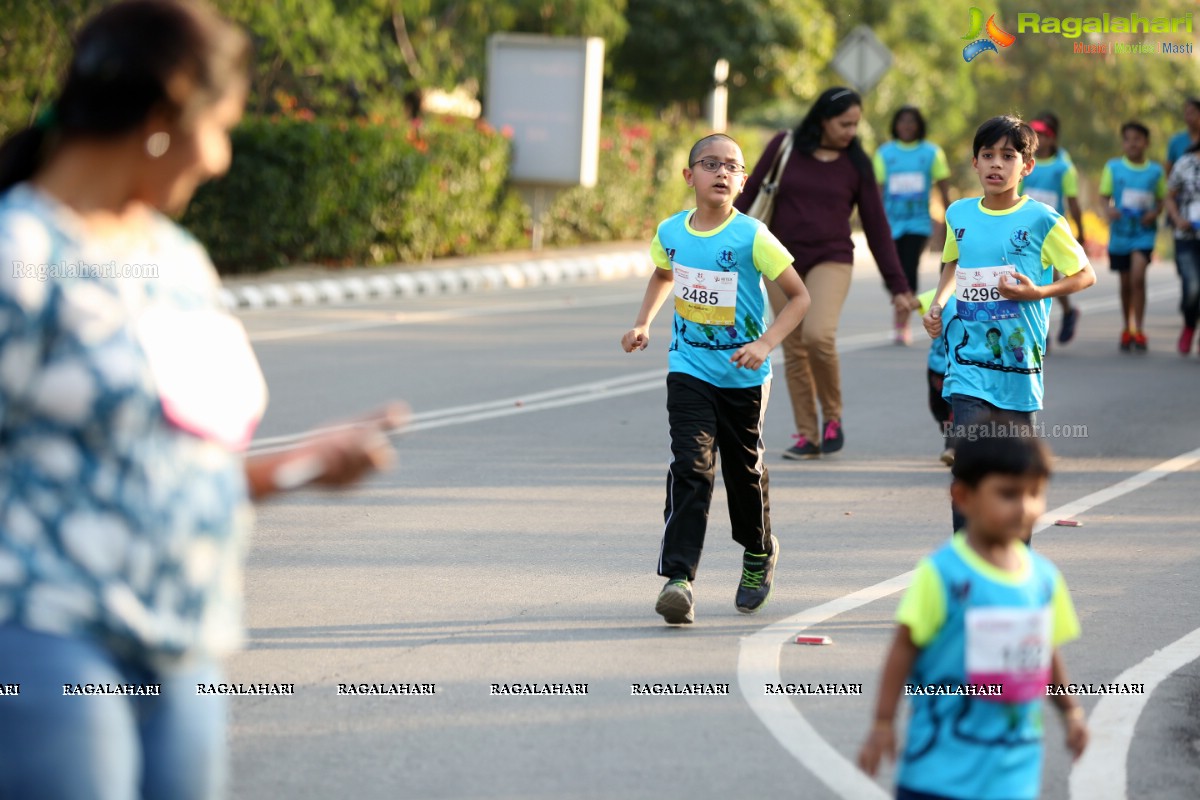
(1009,647)
(705,296)
(1138,200)
(977,290)
(906,185)
(208,379)
(1044,196)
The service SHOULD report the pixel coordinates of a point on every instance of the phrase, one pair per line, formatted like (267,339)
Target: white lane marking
(493,409)
(1112,303)
(758,658)
(397,318)
(424,317)
(591,392)
(1101,770)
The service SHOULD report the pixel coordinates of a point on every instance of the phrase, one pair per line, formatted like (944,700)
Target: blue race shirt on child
(939,353)
(719,299)
(1178,145)
(977,625)
(1134,188)
(906,172)
(1052,181)
(996,344)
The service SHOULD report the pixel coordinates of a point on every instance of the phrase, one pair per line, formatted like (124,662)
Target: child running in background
(906,168)
(937,366)
(983,619)
(1055,182)
(1000,265)
(1136,188)
(1183,208)
(712,259)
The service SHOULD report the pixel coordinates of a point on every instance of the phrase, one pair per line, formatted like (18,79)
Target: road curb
(610,265)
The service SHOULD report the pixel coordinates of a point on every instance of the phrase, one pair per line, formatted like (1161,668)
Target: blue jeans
(1187,264)
(104,747)
(965,410)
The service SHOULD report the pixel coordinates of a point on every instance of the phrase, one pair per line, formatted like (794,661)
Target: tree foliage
(773,47)
(351,58)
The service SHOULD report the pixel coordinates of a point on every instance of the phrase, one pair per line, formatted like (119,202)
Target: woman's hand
(334,458)
(905,302)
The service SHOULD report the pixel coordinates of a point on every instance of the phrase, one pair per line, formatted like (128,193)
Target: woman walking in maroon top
(825,177)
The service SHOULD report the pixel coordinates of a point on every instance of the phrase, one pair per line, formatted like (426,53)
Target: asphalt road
(516,543)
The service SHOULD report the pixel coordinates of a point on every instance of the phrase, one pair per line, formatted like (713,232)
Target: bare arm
(945,288)
(791,314)
(338,457)
(1022,289)
(938,240)
(944,190)
(658,289)
(881,741)
(752,355)
(1073,716)
(1076,214)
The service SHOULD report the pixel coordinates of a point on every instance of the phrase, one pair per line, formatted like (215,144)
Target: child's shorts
(1123,262)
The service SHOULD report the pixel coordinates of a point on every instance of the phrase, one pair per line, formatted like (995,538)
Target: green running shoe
(675,602)
(758,575)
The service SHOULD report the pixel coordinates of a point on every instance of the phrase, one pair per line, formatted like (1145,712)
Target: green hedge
(306,191)
(341,193)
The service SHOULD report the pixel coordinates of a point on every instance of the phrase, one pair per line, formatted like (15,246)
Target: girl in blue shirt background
(906,168)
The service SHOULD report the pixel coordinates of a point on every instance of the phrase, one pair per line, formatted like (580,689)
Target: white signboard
(547,90)
(862,59)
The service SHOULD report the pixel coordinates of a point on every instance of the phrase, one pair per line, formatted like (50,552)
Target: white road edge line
(758,659)
(567,395)
(576,394)
(1101,770)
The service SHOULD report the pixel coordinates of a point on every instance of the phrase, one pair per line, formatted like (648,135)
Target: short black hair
(1008,128)
(1194,102)
(916,115)
(699,146)
(1134,125)
(999,444)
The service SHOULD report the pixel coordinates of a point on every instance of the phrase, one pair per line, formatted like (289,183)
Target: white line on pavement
(398,318)
(591,392)
(1101,770)
(758,658)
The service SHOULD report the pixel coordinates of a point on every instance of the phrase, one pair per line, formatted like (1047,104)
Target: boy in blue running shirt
(937,365)
(712,260)
(982,622)
(1136,187)
(999,264)
(1055,182)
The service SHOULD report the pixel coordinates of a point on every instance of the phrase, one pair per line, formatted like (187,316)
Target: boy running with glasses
(712,260)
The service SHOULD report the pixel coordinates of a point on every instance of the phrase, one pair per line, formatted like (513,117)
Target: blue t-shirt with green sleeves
(996,345)
(907,171)
(1134,189)
(720,303)
(960,611)
(1052,181)
(1178,145)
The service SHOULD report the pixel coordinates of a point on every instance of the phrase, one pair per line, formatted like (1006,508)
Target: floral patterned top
(124,403)
(1185,182)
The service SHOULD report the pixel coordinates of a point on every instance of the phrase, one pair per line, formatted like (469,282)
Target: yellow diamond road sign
(862,59)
